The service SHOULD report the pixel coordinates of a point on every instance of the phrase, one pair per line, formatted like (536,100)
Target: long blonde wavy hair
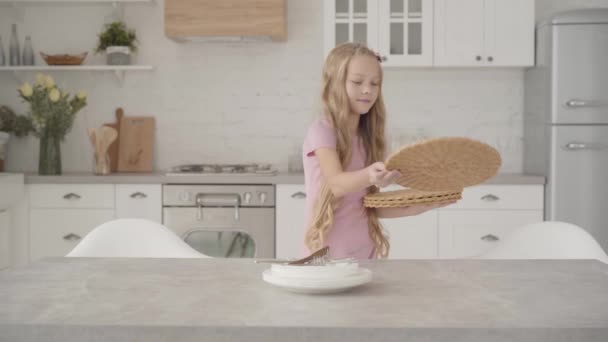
(336,108)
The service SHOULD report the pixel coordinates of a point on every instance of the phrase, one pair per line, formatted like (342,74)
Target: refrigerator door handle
(578,103)
(577,146)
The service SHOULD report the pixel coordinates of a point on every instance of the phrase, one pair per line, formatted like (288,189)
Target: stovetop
(223,169)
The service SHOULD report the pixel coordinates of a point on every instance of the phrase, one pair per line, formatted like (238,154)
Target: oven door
(218,232)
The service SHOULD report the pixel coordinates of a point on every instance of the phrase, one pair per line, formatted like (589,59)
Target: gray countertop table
(181,300)
(280,178)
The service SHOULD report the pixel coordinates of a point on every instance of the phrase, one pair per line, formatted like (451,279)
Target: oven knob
(247,197)
(262,197)
(184,196)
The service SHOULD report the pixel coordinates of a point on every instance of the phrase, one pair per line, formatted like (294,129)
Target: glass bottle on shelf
(14,53)
(2,57)
(28,52)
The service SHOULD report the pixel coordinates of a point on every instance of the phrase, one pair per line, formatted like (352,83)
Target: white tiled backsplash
(250,102)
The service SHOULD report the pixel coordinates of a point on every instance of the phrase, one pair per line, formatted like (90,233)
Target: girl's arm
(342,182)
(409,211)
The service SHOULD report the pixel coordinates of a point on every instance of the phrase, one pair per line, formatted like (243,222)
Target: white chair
(548,240)
(133,238)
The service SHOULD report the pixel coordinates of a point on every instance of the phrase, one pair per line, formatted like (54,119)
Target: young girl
(342,153)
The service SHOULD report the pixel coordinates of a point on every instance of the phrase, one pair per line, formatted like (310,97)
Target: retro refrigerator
(566,118)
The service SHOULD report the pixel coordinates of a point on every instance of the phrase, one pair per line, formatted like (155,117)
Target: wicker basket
(407,197)
(441,164)
(64,59)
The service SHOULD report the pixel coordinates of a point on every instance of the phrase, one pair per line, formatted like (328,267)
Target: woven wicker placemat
(406,197)
(444,163)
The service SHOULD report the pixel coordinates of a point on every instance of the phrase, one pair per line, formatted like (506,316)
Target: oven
(225,221)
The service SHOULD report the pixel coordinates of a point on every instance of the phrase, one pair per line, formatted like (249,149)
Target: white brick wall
(241,102)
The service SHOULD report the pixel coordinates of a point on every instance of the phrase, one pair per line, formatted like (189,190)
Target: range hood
(225,20)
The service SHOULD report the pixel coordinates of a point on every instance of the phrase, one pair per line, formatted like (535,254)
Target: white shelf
(118,70)
(77,68)
(16,2)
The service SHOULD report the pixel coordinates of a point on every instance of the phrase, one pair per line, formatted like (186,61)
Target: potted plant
(52,114)
(10,122)
(118,42)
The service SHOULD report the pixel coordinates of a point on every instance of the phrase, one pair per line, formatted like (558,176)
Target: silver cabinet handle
(577,146)
(384,58)
(578,103)
(490,198)
(490,238)
(72,196)
(72,237)
(490,59)
(298,195)
(138,195)
(477,58)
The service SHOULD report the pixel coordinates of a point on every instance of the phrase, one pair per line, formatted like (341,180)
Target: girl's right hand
(380,176)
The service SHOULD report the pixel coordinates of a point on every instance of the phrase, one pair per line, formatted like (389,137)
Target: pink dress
(349,235)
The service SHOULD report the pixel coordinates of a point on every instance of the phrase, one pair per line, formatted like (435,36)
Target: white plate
(302,285)
(329,271)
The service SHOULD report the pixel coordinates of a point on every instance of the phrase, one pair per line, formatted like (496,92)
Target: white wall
(248,102)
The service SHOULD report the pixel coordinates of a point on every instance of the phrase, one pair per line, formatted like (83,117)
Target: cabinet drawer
(72,196)
(469,233)
(524,197)
(55,232)
(139,201)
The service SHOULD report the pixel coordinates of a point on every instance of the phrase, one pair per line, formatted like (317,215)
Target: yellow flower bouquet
(52,112)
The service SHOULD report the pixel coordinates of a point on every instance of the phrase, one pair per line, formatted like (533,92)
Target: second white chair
(133,238)
(548,240)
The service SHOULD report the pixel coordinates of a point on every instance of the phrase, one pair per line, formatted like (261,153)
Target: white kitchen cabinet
(413,237)
(290,220)
(401,31)
(484,33)
(469,233)
(405,32)
(4,239)
(139,201)
(61,215)
(55,232)
(485,215)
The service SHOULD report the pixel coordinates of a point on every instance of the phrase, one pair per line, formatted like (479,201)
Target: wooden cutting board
(135,151)
(113,149)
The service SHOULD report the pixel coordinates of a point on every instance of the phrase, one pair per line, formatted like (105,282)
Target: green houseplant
(118,42)
(52,112)
(11,123)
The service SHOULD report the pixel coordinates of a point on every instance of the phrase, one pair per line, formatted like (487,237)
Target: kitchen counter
(114,299)
(280,178)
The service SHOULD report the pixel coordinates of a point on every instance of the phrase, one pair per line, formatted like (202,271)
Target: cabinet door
(469,233)
(458,32)
(405,32)
(350,21)
(55,232)
(290,223)
(509,32)
(413,237)
(139,201)
(4,236)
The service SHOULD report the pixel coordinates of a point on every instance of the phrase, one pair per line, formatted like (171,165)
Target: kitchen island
(114,299)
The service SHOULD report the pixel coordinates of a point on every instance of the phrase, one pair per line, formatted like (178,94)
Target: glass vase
(49,160)
(102,163)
